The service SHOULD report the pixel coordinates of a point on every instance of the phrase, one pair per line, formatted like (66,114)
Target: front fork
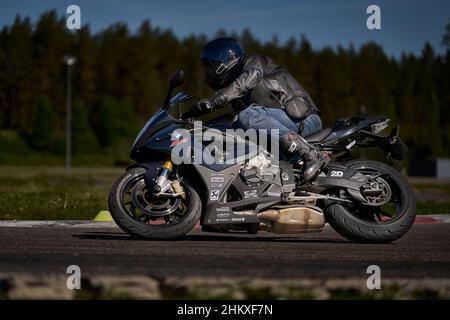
(166,187)
(162,182)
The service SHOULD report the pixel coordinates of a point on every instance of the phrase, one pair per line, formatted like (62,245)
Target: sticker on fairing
(216,185)
(250,194)
(214,196)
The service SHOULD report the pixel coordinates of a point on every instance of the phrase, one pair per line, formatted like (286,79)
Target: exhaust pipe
(292,220)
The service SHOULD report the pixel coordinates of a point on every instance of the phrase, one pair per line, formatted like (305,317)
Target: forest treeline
(120,77)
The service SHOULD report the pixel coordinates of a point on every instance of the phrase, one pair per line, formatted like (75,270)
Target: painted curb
(57,224)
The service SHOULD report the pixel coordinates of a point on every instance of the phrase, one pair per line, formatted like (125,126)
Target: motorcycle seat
(318,136)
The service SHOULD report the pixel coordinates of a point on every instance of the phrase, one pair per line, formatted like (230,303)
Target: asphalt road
(423,252)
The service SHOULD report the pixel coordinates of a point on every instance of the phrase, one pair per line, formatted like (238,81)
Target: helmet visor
(212,78)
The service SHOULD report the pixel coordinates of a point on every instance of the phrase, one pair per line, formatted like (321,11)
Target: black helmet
(218,58)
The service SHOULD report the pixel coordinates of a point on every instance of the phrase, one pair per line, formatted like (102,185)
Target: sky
(405,24)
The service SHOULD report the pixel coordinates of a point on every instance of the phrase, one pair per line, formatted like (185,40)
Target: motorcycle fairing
(218,183)
(347,126)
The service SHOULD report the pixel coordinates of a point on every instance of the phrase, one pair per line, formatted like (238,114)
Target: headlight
(380,126)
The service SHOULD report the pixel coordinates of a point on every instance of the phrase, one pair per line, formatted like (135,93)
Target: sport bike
(363,200)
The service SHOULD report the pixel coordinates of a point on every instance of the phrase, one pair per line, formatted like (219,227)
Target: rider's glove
(202,107)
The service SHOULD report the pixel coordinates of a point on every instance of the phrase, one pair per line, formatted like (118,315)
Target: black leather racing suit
(258,80)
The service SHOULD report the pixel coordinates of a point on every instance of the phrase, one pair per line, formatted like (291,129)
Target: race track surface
(423,252)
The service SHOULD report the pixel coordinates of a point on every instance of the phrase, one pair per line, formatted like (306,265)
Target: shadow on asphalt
(208,237)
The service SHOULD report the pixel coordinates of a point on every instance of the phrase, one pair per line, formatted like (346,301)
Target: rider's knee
(245,116)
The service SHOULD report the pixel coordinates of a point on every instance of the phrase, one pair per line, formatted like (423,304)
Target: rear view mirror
(177,79)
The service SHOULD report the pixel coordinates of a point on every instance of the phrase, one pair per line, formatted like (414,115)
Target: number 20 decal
(336,174)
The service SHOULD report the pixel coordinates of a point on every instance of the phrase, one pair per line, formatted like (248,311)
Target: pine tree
(85,77)
(83,138)
(117,121)
(51,41)
(141,82)
(43,129)
(17,76)
(446,36)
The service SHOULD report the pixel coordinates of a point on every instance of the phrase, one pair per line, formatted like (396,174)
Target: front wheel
(385,220)
(137,212)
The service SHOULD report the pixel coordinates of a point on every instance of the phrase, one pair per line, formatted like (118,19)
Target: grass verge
(53,194)
(50,193)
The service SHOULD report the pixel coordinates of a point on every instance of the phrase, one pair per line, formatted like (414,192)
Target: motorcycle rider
(266,96)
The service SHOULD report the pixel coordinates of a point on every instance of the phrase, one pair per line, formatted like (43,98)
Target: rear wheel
(389,215)
(137,212)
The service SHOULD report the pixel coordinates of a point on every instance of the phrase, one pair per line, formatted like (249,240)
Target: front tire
(142,227)
(362,230)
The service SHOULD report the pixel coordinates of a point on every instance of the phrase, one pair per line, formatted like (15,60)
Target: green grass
(51,193)
(109,159)
(433,207)
(48,193)
(433,187)
(424,207)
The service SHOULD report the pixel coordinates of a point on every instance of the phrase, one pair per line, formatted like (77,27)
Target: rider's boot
(314,158)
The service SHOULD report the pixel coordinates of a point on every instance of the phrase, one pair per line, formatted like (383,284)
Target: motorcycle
(363,200)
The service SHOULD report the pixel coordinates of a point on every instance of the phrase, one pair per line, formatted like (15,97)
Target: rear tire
(139,229)
(358,230)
